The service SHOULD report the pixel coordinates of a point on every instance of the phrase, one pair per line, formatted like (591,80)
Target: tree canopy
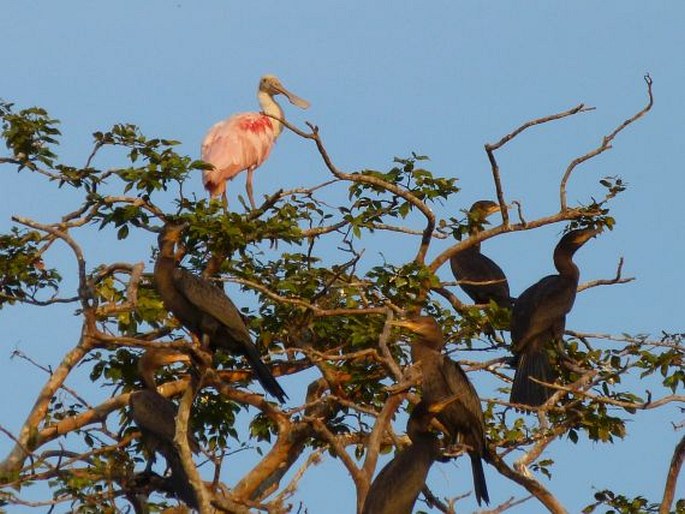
(323,312)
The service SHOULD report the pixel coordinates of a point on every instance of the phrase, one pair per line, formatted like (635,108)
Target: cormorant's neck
(165,263)
(148,377)
(421,352)
(418,432)
(473,231)
(167,247)
(270,107)
(563,261)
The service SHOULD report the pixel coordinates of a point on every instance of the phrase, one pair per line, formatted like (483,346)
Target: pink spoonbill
(244,141)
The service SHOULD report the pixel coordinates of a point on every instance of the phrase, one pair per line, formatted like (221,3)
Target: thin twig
(618,279)
(605,144)
(491,148)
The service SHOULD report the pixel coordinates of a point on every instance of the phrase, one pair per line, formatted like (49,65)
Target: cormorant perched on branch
(539,318)
(155,416)
(478,275)
(442,379)
(397,486)
(205,310)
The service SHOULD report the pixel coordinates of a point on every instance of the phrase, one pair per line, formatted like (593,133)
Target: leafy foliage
(321,314)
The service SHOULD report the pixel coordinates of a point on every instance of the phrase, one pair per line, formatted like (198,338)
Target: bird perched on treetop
(244,141)
(538,321)
(442,379)
(205,310)
(478,275)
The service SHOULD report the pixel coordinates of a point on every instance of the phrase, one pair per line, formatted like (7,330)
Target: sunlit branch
(532,485)
(312,460)
(566,215)
(83,289)
(181,444)
(672,477)
(510,503)
(374,181)
(643,341)
(651,404)
(319,312)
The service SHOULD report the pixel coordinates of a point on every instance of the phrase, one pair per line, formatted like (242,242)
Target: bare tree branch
(491,148)
(533,486)
(605,145)
(618,279)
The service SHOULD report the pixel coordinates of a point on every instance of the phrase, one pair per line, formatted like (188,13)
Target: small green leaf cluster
(22,271)
(374,202)
(620,504)
(402,284)
(29,134)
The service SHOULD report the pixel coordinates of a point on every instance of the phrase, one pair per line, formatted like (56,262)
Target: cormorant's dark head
(155,358)
(427,330)
(482,209)
(172,231)
(478,214)
(576,238)
(169,237)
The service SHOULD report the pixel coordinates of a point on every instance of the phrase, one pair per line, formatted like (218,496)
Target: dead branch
(605,145)
(618,279)
(491,148)
(511,502)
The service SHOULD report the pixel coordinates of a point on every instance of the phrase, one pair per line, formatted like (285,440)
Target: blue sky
(437,78)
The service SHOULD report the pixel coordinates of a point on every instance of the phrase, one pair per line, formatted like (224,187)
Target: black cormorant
(478,275)
(397,486)
(539,318)
(205,310)
(155,416)
(442,379)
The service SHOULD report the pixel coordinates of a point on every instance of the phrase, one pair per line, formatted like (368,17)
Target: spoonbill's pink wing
(240,142)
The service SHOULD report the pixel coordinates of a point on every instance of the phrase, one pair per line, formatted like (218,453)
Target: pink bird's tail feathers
(214,180)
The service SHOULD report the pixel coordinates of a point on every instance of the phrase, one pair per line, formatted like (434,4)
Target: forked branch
(605,145)
(490,149)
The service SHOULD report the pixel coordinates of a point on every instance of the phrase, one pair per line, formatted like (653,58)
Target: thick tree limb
(532,486)
(672,477)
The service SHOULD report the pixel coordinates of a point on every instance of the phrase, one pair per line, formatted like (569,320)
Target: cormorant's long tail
(178,481)
(263,373)
(479,485)
(532,365)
